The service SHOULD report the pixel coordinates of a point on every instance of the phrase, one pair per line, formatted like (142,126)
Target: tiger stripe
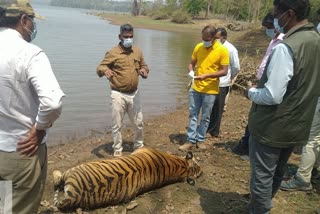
(110,182)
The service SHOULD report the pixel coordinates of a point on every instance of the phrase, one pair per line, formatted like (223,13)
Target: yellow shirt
(209,60)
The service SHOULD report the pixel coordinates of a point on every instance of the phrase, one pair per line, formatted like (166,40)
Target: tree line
(245,10)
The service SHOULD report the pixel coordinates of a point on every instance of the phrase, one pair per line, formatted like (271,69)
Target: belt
(125,92)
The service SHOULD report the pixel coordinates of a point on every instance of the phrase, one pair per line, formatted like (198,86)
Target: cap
(14,8)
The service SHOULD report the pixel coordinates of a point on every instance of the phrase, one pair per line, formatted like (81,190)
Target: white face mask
(127,43)
(270,32)
(318,28)
(207,44)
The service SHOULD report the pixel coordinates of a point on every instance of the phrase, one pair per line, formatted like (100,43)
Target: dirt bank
(224,186)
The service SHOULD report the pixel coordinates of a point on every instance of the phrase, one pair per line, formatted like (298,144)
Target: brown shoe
(201,146)
(186,147)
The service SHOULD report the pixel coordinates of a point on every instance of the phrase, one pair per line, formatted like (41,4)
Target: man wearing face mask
(276,37)
(122,66)
(284,101)
(224,83)
(31,101)
(211,59)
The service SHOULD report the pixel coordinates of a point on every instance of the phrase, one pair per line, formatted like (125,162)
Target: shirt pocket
(137,63)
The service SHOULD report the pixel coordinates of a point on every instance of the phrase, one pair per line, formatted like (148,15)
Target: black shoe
(240,149)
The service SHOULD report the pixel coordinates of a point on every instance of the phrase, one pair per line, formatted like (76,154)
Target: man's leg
(243,147)
(28,176)
(217,111)
(214,116)
(207,104)
(118,104)
(195,101)
(136,118)
(265,175)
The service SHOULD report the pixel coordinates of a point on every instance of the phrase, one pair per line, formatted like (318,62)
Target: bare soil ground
(224,185)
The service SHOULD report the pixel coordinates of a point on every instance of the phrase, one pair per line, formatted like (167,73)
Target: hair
(268,19)
(318,11)
(209,29)
(300,7)
(223,32)
(126,28)
(8,21)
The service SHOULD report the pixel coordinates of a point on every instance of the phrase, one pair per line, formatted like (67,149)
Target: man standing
(30,102)
(276,37)
(211,59)
(284,101)
(224,83)
(122,66)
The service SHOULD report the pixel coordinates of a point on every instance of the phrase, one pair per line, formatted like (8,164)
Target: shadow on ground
(223,202)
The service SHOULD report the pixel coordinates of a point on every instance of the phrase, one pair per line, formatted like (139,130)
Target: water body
(76,42)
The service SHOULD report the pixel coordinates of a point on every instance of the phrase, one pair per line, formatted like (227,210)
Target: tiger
(111,182)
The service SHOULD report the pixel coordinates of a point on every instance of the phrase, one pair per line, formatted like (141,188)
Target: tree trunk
(135,8)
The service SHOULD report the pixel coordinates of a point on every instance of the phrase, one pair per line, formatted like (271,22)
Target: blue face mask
(277,26)
(207,44)
(270,32)
(127,43)
(34,32)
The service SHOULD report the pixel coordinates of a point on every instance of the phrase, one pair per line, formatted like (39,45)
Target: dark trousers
(267,166)
(217,110)
(245,138)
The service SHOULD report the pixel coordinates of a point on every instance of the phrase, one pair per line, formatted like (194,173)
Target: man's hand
(30,145)
(109,73)
(201,77)
(143,73)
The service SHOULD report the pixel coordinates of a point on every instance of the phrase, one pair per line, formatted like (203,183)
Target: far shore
(195,28)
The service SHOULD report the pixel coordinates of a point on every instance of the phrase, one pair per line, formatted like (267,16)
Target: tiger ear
(189,156)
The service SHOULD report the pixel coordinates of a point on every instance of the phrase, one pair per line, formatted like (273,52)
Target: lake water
(76,43)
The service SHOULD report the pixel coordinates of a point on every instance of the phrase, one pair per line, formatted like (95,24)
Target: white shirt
(279,73)
(274,41)
(318,28)
(29,92)
(234,66)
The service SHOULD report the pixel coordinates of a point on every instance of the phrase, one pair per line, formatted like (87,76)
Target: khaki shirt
(126,65)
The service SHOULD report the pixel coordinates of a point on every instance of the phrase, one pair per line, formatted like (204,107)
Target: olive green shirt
(126,64)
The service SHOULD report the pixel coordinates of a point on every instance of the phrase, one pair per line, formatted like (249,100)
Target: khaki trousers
(28,176)
(123,103)
(310,156)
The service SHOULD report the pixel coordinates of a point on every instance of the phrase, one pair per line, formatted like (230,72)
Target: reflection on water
(76,43)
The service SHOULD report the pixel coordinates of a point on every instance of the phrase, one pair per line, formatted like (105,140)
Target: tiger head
(194,170)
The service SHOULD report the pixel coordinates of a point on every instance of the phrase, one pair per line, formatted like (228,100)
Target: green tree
(194,7)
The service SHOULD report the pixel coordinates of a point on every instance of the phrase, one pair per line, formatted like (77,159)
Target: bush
(159,15)
(181,17)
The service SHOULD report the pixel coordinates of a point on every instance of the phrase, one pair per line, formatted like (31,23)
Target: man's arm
(104,68)
(234,64)
(144,69)
(279,73)
(192,65)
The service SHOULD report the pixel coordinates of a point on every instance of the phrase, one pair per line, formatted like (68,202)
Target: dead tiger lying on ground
(114,181)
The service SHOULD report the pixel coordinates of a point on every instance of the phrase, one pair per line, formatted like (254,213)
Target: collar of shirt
(122,50)
(12,32)
(215,45)
(279,37)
